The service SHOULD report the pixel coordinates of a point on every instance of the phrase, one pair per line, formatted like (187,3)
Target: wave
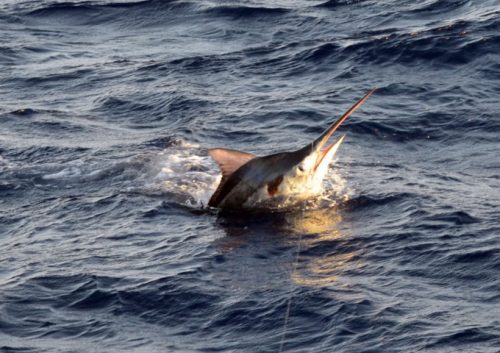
(486,256)
(364,202)
(464,337)
(448,45)
(457,218)
(246,12)
(88,8)
(444,50)
(142,12)
(136,111)
(128,14)
(438,6)
(333,4)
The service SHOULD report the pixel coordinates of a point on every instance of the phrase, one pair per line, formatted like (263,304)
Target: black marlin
(248,180)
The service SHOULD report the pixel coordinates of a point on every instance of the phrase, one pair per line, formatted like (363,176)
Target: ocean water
(108,108)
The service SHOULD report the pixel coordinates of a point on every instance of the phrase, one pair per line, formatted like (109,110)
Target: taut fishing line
(289,303)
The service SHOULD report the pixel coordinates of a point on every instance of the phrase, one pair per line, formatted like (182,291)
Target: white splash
(185,172)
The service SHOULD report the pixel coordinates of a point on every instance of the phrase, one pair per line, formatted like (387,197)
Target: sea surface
(107,109)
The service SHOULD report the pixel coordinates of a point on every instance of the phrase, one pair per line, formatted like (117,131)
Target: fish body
(248,180)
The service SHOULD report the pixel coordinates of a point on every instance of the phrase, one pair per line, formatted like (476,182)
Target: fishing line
(289,303)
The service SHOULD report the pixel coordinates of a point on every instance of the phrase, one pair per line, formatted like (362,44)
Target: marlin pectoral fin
(229,160)
(272,187)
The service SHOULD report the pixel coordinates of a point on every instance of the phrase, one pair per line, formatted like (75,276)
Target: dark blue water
(107,109)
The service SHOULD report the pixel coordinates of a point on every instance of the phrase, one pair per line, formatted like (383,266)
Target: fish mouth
(326,155)
(321,141)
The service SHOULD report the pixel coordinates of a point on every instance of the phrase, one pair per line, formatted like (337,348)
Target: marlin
(248,180)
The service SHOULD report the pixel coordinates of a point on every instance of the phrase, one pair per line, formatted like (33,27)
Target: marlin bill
(248,180)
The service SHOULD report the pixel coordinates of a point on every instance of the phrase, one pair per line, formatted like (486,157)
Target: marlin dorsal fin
(229,160)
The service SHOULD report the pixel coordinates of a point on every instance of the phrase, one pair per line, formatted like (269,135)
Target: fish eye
(301,168)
